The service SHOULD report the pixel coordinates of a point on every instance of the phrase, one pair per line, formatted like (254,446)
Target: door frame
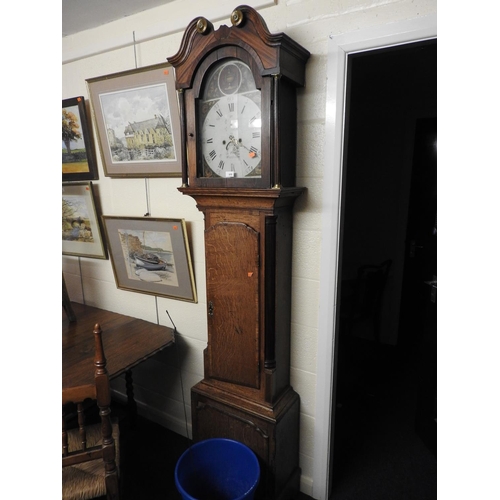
(339,48)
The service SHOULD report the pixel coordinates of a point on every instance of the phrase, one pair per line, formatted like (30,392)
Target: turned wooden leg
(131,404)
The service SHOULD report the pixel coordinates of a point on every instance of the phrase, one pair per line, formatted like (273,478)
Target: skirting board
(161,418)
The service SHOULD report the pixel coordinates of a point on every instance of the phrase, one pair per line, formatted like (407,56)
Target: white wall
(158,33)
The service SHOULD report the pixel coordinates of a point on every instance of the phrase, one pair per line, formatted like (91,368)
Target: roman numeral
(231,106)
(221,165)
(253,150)
(243,108)
(212,154)
(255,135)
(210,141)
(219,112)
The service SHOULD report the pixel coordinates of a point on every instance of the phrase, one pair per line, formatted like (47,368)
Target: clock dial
(231,137)
(230,123)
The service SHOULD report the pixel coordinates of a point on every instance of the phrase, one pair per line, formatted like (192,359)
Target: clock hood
(277,53)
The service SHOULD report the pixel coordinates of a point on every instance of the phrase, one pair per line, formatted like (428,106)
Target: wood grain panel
(232,253)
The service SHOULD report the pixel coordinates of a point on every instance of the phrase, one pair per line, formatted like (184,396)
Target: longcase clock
(237,95)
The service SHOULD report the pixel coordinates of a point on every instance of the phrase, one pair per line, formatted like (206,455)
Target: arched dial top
(230,121)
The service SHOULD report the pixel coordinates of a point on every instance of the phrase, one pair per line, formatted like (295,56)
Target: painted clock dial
(229,113)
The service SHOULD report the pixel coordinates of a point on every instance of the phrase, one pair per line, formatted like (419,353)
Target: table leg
(131,404)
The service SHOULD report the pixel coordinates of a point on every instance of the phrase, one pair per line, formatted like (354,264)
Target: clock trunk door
(232,253)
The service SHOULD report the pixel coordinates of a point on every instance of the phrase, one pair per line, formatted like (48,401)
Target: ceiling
(81,15)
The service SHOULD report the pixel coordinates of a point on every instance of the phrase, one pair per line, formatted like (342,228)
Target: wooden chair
(90,453)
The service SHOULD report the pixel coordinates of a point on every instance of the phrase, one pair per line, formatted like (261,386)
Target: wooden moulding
(249,198)
(278,53)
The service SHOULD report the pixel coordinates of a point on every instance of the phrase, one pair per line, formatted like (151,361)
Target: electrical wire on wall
(148,209)
(135,52)
(146,180)
(148,214)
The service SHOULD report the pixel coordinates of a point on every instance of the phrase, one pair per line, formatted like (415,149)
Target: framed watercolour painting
(151,256)
(78,154)
(137,120)
(81,230)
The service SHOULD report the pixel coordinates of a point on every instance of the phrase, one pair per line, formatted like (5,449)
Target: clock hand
(234,146)
(252,152)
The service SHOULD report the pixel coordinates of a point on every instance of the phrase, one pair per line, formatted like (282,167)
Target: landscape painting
(148,256)
(138,124)
(81,233)
(151,256)
(78,158)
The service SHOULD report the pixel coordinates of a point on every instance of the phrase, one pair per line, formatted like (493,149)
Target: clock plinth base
(272,432)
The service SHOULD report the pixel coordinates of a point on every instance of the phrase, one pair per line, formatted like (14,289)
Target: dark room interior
(385,402)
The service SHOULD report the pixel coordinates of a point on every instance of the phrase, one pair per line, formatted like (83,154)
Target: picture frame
(136,115)
(151,256)
(81,225)
(78,153)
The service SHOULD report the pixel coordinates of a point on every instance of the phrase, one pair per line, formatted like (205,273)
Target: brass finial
(202,26)
(236,17)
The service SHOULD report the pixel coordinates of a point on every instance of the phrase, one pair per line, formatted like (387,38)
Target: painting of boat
(150,261)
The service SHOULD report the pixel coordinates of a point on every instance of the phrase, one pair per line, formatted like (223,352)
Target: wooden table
(127,342)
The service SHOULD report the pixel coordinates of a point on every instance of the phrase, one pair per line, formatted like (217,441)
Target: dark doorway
(384,443)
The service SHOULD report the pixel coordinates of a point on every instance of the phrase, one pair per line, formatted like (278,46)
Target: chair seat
(87,480)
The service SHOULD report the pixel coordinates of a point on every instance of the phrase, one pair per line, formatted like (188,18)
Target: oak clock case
(237,98)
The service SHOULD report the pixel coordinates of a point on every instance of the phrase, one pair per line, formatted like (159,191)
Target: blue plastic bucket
(217,469)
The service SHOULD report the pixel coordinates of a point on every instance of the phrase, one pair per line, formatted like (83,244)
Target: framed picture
(137,119)
(78,154)
(151,256)
(81,230)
